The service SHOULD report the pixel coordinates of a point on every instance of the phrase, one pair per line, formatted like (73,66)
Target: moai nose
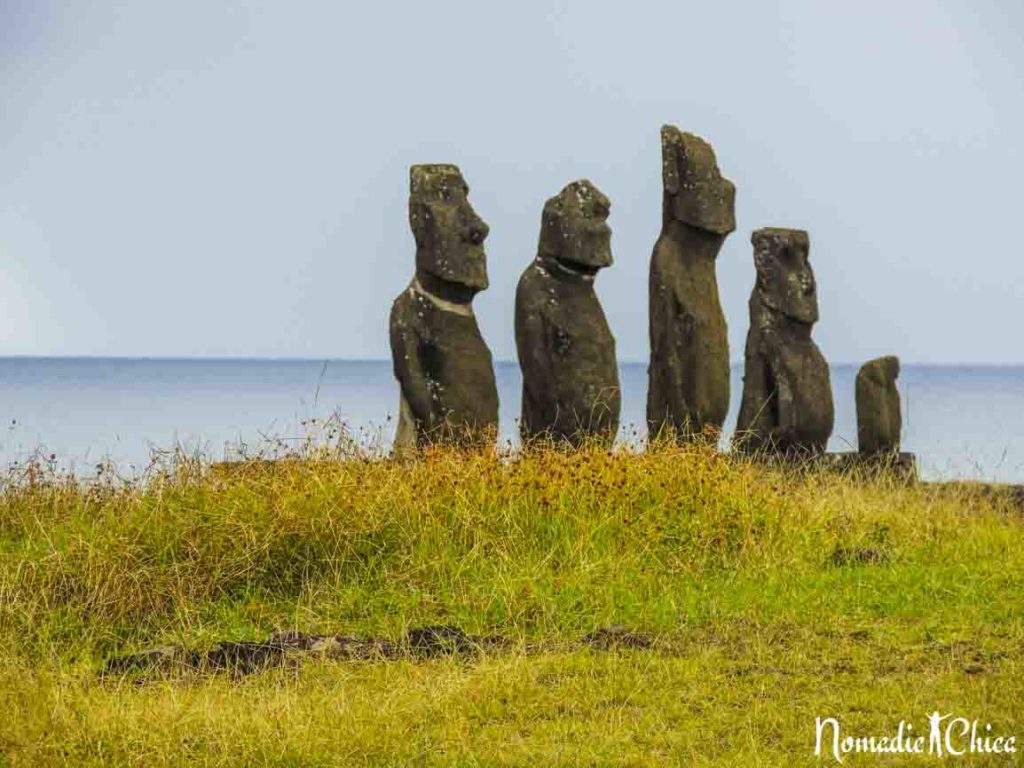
(478,230)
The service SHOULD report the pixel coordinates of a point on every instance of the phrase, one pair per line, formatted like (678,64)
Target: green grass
(727,564)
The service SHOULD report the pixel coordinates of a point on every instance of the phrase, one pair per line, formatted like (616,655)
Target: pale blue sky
(230,178)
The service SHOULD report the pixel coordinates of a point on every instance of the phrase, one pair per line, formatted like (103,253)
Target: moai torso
(566,349)
(787,402)
(878,406)
(688,375)
(443,365)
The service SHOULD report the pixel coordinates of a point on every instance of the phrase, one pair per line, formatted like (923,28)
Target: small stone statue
(443,365)
(787,394)
(878,407)
(566,350)
(688,376)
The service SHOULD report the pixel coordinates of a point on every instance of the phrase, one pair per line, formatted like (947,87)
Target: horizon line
(502,361)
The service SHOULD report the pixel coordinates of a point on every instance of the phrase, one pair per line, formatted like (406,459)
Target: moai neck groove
(565,272)
(447,292)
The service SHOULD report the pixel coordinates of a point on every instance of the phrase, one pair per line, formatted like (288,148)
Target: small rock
(618,636)
(858,556)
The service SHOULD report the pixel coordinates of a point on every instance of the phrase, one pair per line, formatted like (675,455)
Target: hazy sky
(230,178)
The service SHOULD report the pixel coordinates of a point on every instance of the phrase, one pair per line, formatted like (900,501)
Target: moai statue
(441,361)
(566,350)
(878,407)
(688,376)
(787,394)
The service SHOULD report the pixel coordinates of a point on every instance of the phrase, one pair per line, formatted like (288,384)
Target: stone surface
(566,349)
(688,375)
(878,406)
(787,403)
(443,366)
(618,636)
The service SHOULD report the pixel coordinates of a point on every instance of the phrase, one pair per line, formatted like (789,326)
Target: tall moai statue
(566,349)
(688,375)
(787,393)
(878,407)
(443,365)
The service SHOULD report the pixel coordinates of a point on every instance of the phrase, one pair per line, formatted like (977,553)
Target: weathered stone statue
(566,350)
(688,376)
(787,394)
(878,407)
(440,359)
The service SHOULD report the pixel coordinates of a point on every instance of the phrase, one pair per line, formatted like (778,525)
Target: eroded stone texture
(787,393)
(566,349)
(688,376)
(878,406)
(443,365)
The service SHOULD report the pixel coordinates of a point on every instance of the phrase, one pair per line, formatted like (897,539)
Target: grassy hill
(770,597)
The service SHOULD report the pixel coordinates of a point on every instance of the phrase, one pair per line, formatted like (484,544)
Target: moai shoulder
(688,375)
(787,404)
(566,349)
(878,406)
(442,364)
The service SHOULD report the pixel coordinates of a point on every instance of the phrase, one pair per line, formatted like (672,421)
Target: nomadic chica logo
(947,736)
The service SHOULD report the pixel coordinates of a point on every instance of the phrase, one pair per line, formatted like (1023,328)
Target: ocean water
(961,421)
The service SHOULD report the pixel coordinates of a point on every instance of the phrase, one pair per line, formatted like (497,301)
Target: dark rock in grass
(566,349)
(243,658)
(688,376)
(787,403)
(447,640)
(878,407)
(341,647)
(846,556)
(617,636)
(165,658)
(443,366)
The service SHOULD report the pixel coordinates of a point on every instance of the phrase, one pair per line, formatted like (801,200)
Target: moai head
(882,371)
(785,280)
(449,234)
(574,229)
(695,192)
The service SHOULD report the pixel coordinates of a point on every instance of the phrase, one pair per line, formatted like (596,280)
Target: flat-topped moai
(443,365)
(787,393)
(878,407)
(566,349)
(688,375)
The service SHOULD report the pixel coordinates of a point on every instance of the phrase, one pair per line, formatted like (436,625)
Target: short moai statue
(878,407)
(443,366)
(566,349)
(688,375)
(787,403)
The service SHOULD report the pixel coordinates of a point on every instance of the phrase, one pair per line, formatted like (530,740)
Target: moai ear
(670,159)
(420,218)
(551,228)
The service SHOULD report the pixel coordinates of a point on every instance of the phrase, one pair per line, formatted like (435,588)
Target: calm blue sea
(963,422)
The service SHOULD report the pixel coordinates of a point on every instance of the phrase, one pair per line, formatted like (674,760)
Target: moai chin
(443,366)
(566,349)
(787,393)
(878,407)
(688,375)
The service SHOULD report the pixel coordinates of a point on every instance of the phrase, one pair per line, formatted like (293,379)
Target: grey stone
(443,366)
(787,403)
(878,406)
(566,349)
(688,375)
